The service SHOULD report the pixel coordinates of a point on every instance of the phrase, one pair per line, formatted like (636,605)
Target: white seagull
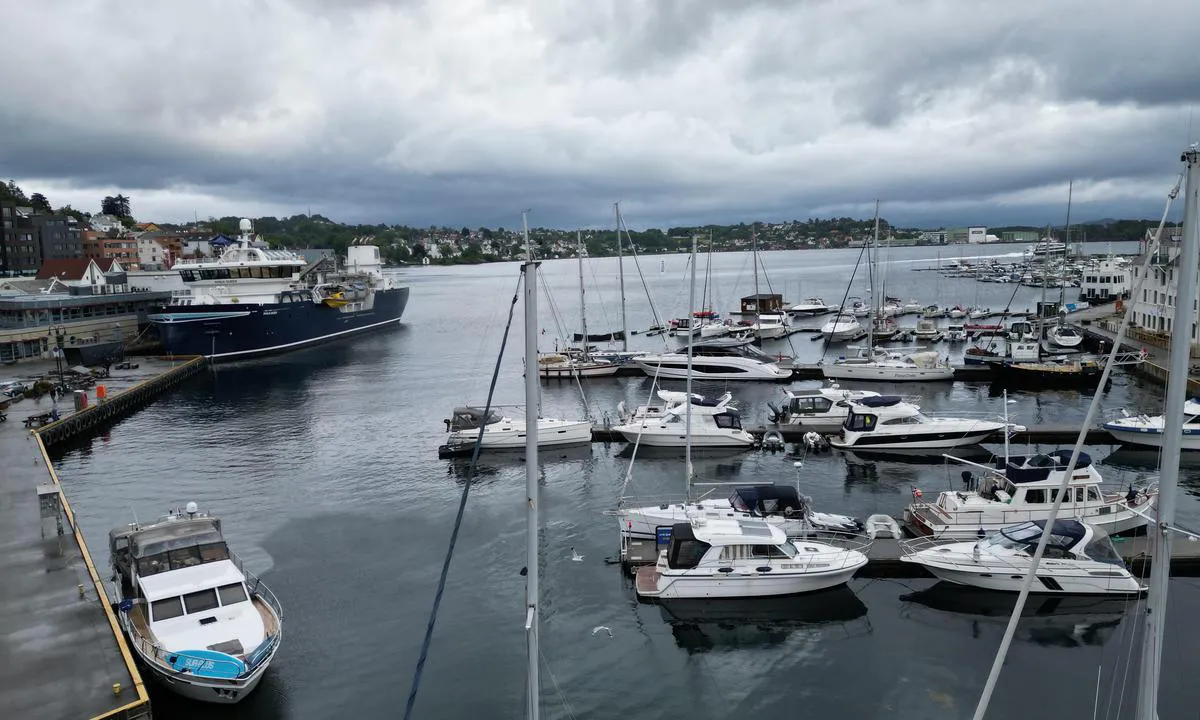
(576,556)
(598,628)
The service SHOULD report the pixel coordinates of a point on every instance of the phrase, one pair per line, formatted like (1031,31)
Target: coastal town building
(1154,306)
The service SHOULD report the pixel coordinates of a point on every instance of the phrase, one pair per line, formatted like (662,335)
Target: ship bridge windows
(176,558)
(232,593)
(166,609)
(200,601)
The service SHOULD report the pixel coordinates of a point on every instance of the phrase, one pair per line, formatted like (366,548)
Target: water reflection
(702,625)
(1048,620)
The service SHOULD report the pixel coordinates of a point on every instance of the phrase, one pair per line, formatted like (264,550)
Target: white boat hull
(1151,437)
(642,523)
(900,442)
(886,373)
(1011,579)
(202,691)
(710,371)
(732,585)
(676,437)
(1119,519)
(570,371)
(508,436)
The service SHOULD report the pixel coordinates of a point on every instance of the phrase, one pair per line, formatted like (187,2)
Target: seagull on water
(598,628)
(576,556)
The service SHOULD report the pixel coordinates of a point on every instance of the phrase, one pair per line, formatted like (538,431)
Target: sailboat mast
(582,309)
(1172,438)
(754,248)
(621,275)
(871,287)
(1062,289)
(533,686)
(691,343)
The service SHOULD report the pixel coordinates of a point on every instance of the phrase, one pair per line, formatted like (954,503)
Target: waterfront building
(1105,281)
(1154,306)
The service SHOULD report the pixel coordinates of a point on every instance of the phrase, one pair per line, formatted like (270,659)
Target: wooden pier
(62,651)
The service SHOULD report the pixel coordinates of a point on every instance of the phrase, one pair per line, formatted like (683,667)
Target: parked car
(11,388)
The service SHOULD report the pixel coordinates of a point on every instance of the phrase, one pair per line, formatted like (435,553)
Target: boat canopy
(880,401)
(467,418)
(174,535)
(1038,467)
(766,500)
(1064,534)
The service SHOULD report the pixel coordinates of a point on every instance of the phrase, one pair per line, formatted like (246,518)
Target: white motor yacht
(1025,489)
(504,433)
(744,558)
(1147,430)
(821,410)
(720,359)
(844,326)
(781,506)
(955,332)
(1079,559)
(888,422)
(205,626)
(672,399)
(811,306)
(715,425)
(770,327)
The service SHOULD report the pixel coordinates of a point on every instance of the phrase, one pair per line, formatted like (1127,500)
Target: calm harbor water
(323,465)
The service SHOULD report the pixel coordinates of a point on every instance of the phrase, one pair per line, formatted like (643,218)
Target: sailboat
(532,499)
(878,364)
(581,364)
(1154,614)
(1062,334)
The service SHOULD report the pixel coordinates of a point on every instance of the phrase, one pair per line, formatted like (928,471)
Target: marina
(230,396)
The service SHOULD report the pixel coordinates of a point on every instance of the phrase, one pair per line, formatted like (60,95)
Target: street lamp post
(59,334)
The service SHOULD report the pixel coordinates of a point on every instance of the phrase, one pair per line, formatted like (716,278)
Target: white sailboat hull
(510,434)
(573,370)
(1011,579)
(657,437)
(734,585)
(1152,436)
(886,373)
(923,441)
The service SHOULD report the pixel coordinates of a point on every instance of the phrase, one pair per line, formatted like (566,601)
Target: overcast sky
(466,111)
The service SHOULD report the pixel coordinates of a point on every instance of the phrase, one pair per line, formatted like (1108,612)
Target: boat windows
(1035,496)
(861,421)
(200,601)
(1093,495)
(166,609)
(685,551)
(232,593)
(188,275)
(184,557)
(728,421)
(214,274)
(772,552)
(1101,550)
(811,405)
(912,420)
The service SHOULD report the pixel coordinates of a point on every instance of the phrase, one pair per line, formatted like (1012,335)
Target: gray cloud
(466,111)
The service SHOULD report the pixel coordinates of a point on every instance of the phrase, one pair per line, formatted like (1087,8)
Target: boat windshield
(1101,549)
(753,352)
(1025,537)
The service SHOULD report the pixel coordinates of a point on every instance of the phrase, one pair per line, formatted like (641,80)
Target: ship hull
(228,332)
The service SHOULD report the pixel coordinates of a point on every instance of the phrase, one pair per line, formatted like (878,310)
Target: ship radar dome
(245,225)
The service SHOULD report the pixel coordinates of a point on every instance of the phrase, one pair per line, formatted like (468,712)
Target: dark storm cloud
(467,111)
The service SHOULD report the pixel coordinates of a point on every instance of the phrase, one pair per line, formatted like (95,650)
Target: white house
(150,252)
(104,223)
(1154,306)
(82,272)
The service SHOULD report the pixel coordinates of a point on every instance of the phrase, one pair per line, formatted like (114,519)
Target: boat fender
(772,412)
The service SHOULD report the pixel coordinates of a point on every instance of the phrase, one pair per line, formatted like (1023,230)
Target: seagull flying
(598,628)
(576,556)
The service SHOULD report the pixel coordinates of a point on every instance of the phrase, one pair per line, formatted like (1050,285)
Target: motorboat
(781,506)
(811,306)
(503,432)
(844,326)
(1053,373)
(888,422)
(955,332)
(821,409)
(720,359)
(1147,430)
(1065,336)
(744,558)
(672,400)
(1079,559)
(770,327)
(203,624)
(927,330)
(718,425)
(1023,489)
(891,366)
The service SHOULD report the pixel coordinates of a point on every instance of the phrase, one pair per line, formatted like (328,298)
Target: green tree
(40,204)
(115,205)
(12,191)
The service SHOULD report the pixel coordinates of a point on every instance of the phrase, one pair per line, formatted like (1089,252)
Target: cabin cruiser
(777,505)
(1065,336)
(811,306)
(888,422)
(821,410)
(672,400)
(720,359)
(205,626)
(744,558)
(891,366)
(712,425)
(1025,489)
(502,432)
(955,332)
(844,326)
(770,327)
(1146,430)
(1079,559)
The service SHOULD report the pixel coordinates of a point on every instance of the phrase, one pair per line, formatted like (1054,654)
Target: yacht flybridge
(204,625)
(1025,489)
(821,410)
(713,424)
(1079,560)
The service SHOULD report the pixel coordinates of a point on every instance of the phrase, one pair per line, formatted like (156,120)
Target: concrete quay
(62,653)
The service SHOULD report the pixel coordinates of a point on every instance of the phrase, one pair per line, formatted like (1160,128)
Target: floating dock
(62,652)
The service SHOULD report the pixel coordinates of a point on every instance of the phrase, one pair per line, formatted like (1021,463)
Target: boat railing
(169,660)
(988,560)
(844,542)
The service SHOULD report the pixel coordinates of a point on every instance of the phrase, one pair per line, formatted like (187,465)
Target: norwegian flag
(916,492)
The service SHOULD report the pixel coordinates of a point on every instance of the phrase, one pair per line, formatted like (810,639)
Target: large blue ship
(254,301)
